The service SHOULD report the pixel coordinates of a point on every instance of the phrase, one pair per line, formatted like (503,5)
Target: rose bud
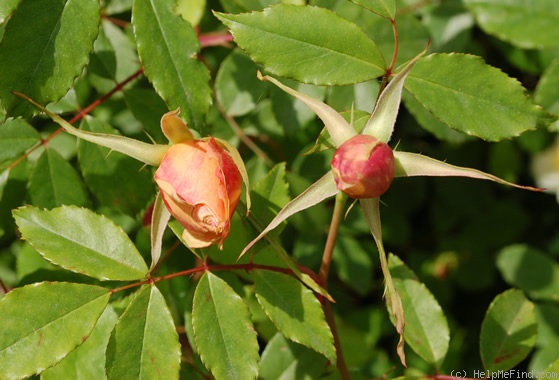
(200,185)
(363,167)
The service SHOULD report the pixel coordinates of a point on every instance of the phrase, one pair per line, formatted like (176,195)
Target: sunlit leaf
(472,97)
(6,9)
(551,370)
(42,58)
(508,331)
(81,241)
(430,123)
(231,350)
(426,330)
(528,24)
(295,311)
(42,323)
(531,271)
(237,87)
(191,10)
(291,41)
(168,46)
(144,343)
(87,362)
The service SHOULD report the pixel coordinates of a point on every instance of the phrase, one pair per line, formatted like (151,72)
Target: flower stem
(323,279)
(331,240)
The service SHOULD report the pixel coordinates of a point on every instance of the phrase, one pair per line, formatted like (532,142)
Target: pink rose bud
(363,167)
(200,185)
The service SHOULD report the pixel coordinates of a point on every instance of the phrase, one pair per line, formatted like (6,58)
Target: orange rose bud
(201,186)
(363,167)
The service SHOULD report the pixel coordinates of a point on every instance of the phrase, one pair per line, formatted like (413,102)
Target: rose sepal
(150,154)
(414,164)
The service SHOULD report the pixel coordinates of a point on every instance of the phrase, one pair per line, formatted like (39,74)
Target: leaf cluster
(475,264)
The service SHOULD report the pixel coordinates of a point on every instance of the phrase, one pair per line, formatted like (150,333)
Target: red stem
(204,267)
(396,45)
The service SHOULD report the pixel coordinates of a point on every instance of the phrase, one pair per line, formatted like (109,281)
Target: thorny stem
(331,239)
(323,278)
(79,115)
(390,68)
(202,268)
(215,38)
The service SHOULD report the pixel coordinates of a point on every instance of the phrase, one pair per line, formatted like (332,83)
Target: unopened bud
(363,167)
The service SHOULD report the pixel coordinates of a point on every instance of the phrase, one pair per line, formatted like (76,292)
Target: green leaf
(338,128)
(223,331)
(123,47)
(150,154)
(191,10)
(426,331)
(547,93)
(322,189)
(81,241)
(472,97)
(16,136)
(309,44)
(269,195)
(236,6)
(144,343)
(550,371)
(384,8)
(168,46)
(54,182)
(508,331)
(237,87)
(353,264)
(531,271)
(42,58)
(42,323)
(430,123)
(116,180)
(285,360)
(87,362)
(528,24)
(148,108)
(295,311)
(6,9)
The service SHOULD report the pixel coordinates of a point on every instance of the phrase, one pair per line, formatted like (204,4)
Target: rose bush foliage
(129,128)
